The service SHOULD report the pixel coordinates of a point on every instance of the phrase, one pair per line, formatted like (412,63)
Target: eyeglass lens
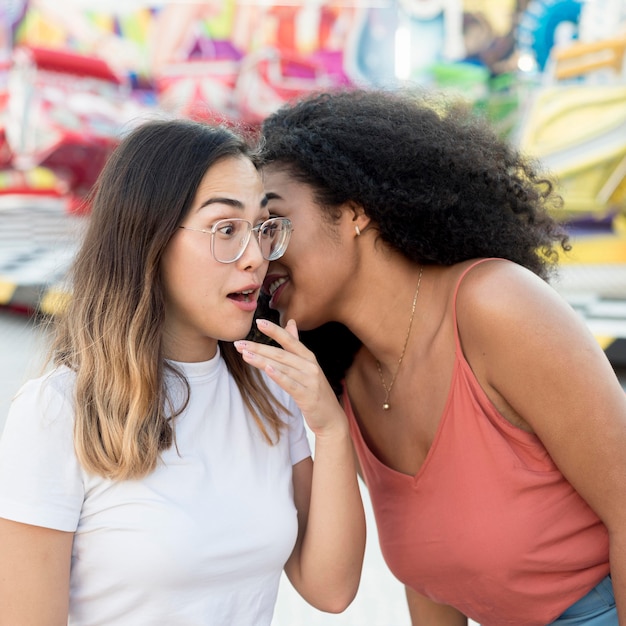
(230,238)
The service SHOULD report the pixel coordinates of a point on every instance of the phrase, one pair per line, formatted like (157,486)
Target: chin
(303,319)
(242,333)
(302,322)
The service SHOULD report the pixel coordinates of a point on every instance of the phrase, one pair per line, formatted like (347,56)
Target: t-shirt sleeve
(40,478)
(299,447)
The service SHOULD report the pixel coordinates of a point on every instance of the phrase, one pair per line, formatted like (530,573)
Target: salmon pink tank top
(489,524)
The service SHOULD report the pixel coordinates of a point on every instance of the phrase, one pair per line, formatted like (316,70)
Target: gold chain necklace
(386,405)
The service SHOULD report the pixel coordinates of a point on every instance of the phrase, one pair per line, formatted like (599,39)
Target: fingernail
(262,323)
(240,345)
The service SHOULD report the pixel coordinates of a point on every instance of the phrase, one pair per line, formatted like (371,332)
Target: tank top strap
(456,291)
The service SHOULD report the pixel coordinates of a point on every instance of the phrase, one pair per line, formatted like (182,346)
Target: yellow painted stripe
(604,342)
(601,249)
(54,301)
(7,289)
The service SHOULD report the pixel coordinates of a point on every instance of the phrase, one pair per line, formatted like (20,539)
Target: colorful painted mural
(237,61)
(75,75)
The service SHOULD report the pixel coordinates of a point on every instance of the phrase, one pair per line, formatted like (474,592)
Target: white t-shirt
(200,541)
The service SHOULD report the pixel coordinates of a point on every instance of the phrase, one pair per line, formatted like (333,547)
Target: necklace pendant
(386,406)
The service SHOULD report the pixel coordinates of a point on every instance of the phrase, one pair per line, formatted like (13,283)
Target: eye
(226,230)
(269,229)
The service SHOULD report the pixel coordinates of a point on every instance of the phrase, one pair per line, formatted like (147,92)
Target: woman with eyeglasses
(489,425)
(153,476)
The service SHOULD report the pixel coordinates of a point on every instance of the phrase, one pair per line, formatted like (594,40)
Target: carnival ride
(573,119)
(554,83)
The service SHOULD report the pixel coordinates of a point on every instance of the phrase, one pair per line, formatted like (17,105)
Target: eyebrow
(236,204)
(272,196)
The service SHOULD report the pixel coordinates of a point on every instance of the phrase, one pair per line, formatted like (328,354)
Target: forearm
(425,612)
(325,565)
(328,568)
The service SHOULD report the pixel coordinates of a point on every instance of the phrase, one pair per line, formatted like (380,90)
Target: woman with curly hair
(153,477)
(489,425)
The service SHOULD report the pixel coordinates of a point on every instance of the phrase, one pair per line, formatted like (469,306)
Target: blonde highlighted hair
(110,334)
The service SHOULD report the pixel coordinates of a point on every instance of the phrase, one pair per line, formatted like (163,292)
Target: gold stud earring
(357,230)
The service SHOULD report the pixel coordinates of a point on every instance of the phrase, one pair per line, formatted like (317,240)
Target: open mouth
(249,295)
(270,286)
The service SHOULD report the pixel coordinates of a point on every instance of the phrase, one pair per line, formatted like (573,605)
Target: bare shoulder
(499,296)
(527,346)
(498,280)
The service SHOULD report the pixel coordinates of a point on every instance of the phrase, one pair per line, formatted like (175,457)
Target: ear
(359,221)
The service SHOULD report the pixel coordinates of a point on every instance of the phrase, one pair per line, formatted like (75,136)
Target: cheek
(184,270)
(173,267)
(314,246)
(317,276)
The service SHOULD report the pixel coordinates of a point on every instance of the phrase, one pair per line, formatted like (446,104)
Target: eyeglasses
(230,238)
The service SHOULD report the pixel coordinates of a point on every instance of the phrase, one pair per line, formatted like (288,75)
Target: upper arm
(34,574)
(532,352)
(302,481)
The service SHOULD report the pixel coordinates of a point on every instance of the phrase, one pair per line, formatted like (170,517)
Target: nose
(252,256)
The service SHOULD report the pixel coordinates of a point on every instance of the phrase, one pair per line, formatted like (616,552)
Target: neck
(380,321)
(388,387)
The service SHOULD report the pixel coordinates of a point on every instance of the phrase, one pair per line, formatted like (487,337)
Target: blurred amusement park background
(75,75)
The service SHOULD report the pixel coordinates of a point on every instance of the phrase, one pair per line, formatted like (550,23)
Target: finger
(260,355)
(286,337)
(307,386)
(292,328)
(272,353)
(290,379)
(310,394)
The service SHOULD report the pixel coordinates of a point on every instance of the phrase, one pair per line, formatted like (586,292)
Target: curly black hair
(437,181)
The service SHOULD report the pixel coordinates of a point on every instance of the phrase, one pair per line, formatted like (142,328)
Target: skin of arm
(425,612)
(539,363)
(34,575)
(325,565)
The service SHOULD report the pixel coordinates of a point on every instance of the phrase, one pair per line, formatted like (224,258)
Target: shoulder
(492,273)
(41,482)
(503,308)
(59,381)
(40,417)
(500,290)
(508,318)
(48,396)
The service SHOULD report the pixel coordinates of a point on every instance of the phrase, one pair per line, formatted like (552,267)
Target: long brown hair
(110,335)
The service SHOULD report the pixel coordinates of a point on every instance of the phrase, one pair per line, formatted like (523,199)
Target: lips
(246,299)
(273,286)
(247,295)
